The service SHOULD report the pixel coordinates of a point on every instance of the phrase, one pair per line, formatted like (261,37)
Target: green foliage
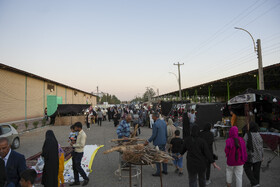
(44,121)
(149,94)
(15,126)
(26,125)
(137,99)
(111,99)
(35,124)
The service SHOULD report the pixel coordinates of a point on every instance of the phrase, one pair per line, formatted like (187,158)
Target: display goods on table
(87,160)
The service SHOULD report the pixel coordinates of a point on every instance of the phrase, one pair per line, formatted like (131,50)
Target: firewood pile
(138,153)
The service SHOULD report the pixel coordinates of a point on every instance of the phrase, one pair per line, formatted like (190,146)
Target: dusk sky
(124,46)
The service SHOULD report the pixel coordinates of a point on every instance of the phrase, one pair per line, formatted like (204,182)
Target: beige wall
(12,96)
(61,93)
(35,98)
(48,92)
(75,98)
(69,96)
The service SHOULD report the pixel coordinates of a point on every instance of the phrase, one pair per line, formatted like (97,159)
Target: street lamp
(259,54)
(175,76)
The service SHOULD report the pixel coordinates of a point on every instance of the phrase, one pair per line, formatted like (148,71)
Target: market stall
(68,114)
(260,106)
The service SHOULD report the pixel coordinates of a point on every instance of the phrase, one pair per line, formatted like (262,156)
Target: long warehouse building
(24,96)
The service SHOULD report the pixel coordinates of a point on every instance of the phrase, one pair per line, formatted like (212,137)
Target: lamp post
(259,54)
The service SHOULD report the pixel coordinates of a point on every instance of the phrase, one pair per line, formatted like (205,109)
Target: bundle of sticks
(139,153)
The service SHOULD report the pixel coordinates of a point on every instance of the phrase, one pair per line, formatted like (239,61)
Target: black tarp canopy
(205,112)
(208,113)
(265,98)
(70,109)
(269,93)
(265,107)
(167,106)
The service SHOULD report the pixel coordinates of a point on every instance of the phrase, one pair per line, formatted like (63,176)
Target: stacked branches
(138,153)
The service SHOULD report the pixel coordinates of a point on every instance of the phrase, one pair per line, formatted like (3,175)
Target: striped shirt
(123,129)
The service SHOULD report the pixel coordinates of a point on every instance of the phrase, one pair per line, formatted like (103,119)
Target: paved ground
(105,165)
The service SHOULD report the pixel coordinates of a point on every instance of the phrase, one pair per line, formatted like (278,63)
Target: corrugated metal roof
(232,79)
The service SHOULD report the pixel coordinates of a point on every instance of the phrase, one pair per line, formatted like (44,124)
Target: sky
(124,46)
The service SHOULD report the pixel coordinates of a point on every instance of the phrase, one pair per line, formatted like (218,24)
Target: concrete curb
(34,130)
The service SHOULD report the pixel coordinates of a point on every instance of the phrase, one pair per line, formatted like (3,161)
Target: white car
(11,133)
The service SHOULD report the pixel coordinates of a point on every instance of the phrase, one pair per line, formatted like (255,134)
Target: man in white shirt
(77,155)
(192,117)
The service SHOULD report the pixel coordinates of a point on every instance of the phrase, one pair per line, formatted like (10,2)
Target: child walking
(176,148)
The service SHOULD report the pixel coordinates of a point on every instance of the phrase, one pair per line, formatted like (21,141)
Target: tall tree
(149,94)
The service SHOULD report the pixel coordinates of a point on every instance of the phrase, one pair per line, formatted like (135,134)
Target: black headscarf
(208,136)
(207,127)
(253,127)
(50,154)
(50,137)
(195,131)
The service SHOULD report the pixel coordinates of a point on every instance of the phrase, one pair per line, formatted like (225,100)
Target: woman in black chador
(186,126)
(50,155)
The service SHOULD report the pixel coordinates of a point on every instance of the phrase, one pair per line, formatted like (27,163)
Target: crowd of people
(140,116)
(242,153)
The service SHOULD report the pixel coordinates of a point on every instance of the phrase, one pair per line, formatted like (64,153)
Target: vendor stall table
(141,165)
(118,172)
(272,140)
(225,129)
(32,161)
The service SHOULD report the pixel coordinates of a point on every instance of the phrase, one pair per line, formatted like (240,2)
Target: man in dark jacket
(208,136)
(2,173)
(197,157)
(14,162)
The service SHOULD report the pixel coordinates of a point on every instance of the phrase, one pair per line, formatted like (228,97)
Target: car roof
(4,124)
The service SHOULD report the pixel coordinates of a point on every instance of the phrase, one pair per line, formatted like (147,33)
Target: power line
(228,36)
(222,29)
(276,5)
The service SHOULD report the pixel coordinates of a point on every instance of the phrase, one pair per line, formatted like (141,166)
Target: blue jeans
(177,161)
(77,169)
(164,165)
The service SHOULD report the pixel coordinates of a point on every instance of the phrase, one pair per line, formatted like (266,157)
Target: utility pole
(158,93)
(179,79)
(259,52)
(98,98)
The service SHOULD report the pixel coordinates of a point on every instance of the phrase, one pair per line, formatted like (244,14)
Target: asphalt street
(104,166)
